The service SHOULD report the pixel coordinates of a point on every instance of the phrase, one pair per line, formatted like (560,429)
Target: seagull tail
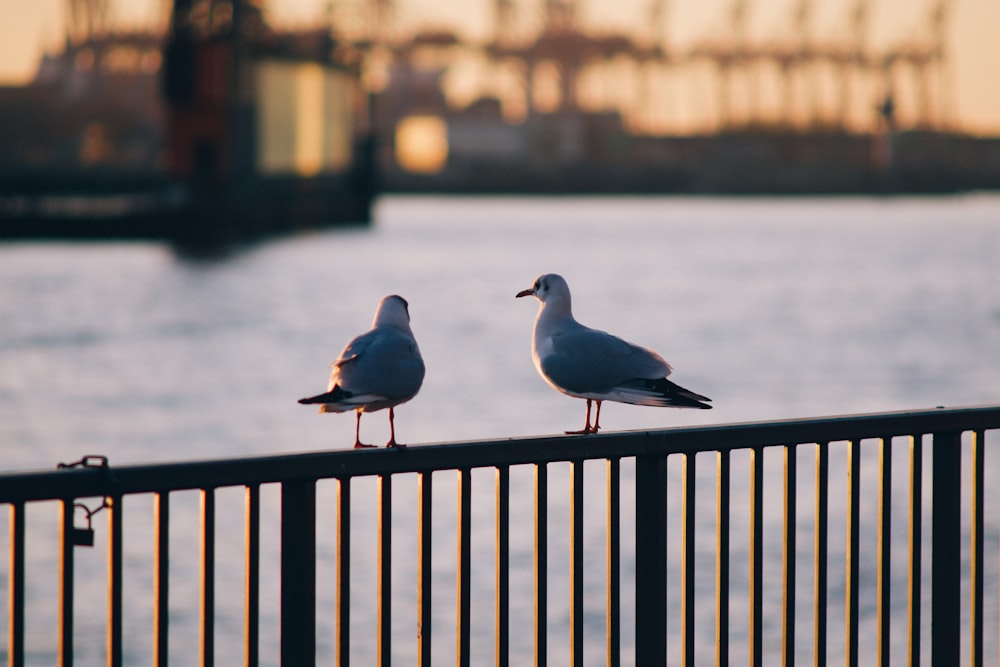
(664,393)
(330,401)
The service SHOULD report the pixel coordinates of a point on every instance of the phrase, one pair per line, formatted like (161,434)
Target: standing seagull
(591,364)
(381,368)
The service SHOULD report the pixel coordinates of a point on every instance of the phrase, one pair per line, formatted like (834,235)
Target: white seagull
(591,364)
(381,368)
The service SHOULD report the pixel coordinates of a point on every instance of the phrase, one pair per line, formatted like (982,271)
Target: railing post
(976,549)
(114,631)
(541,564)
(66,586)
(298,573)
(15,628)
(343,631)
(463,612)
(576,564)
(946,549)
(687,562)
(722,513)
(820,541)
(251,576)
(503,566)
(650,559)
(613,618)
(208,577)
(161,578)
(425,523)
(384,572)
(915,541)
(756,592)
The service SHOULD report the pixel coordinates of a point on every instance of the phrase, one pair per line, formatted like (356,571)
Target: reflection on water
(774,308)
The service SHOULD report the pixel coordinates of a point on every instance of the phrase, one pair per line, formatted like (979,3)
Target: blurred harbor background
(305,111)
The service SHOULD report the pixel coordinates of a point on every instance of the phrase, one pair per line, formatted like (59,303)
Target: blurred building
(219,128)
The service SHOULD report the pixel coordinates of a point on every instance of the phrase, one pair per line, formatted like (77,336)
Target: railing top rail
(213,473)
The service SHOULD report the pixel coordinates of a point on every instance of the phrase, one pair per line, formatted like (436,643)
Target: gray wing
(586,360)
(356,347)
(383,362)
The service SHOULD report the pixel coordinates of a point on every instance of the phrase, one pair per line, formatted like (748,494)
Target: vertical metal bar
(687,564)
(15,622)
(425,481)
(756,556)
(161,578)
(820,551)
(384,571)
(946,549)
(576,565)
(251,577)
(650,559)
(884,549)
(976,502)
(788,554)
(722,560)
(66,584)
(916,531)
(853,536)
(343,631)
(463,613)
(298,573)
(114,638)
(503,567)
(207,577)
(613,614)
(541,563)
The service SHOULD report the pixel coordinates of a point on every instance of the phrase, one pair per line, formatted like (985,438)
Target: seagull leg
(357,433)
(597,419)
(392,432)
(586,428)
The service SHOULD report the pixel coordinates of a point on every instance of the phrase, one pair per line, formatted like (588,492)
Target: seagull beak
(524,292)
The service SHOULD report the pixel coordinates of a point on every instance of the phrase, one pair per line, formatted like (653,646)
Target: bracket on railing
(84,537)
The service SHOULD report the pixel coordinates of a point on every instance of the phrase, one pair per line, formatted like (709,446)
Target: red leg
(586,428)
(357,432)
(392,432)
(597,419)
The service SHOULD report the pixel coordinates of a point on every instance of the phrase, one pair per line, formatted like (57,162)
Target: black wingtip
(332,396)
(671,394)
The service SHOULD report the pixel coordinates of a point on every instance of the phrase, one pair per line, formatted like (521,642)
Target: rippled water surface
(775,308)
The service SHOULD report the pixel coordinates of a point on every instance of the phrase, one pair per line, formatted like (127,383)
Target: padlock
(83,537)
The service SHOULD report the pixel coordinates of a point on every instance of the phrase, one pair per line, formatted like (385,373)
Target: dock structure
(640,501)
(554,62)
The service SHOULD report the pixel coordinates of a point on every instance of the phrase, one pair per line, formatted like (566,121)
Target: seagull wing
(584,360)
(383,363)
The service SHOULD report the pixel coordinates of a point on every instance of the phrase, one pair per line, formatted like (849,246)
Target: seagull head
(549,288)
(394,311)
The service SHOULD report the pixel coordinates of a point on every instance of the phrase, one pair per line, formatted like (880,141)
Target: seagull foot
(361,445)
(586,431)
(392,444)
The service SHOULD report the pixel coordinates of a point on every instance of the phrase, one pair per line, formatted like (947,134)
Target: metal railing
(947,431)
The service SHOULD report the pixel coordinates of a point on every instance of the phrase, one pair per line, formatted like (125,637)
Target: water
(776,308)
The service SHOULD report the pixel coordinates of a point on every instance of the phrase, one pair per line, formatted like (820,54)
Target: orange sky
(28,27)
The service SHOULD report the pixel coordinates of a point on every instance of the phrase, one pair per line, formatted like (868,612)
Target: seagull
(594,365)
(379,369)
